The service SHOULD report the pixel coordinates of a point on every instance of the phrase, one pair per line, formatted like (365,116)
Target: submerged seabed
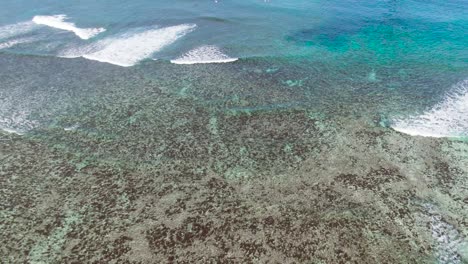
(260,160)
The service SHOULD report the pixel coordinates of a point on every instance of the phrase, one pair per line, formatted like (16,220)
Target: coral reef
(150,175)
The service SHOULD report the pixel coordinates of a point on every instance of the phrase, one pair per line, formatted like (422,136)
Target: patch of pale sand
(140,250)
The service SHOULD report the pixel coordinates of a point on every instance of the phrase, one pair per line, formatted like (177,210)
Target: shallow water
(306,131)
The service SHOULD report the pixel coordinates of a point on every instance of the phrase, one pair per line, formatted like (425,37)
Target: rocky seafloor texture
(168,178)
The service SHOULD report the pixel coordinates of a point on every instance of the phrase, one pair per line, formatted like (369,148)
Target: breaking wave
(58,21)
(204,54)
(129,49)
(446,119)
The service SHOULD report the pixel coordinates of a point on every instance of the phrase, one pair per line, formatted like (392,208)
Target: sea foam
(58,21)
(12,131)
(13,30)
(128,49)
(204,54)
(11,43)
(446,119)
(17,123)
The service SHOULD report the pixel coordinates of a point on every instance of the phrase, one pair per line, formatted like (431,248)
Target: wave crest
(204,54)
(129,49)
(58,21)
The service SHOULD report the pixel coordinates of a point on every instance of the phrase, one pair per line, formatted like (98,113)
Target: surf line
(58,22)
(204,54)
(129,49)
(449,118)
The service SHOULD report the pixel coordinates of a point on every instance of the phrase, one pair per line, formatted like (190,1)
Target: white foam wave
(447,119)
(12,131)
(72,128)
(80,51)
(448,240)
(11,43)
(129,49)
(58,21)
(204,54)
(13,30)
(17,123)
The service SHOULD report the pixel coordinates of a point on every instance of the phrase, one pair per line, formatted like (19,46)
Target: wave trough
(129,49)
(447,119)
(58,21)
(204,54)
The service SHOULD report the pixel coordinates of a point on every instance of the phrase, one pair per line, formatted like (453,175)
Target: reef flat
(176,176)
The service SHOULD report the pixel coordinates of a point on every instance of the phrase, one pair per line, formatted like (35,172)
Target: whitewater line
(446,119)
(58,21)
(204,54)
